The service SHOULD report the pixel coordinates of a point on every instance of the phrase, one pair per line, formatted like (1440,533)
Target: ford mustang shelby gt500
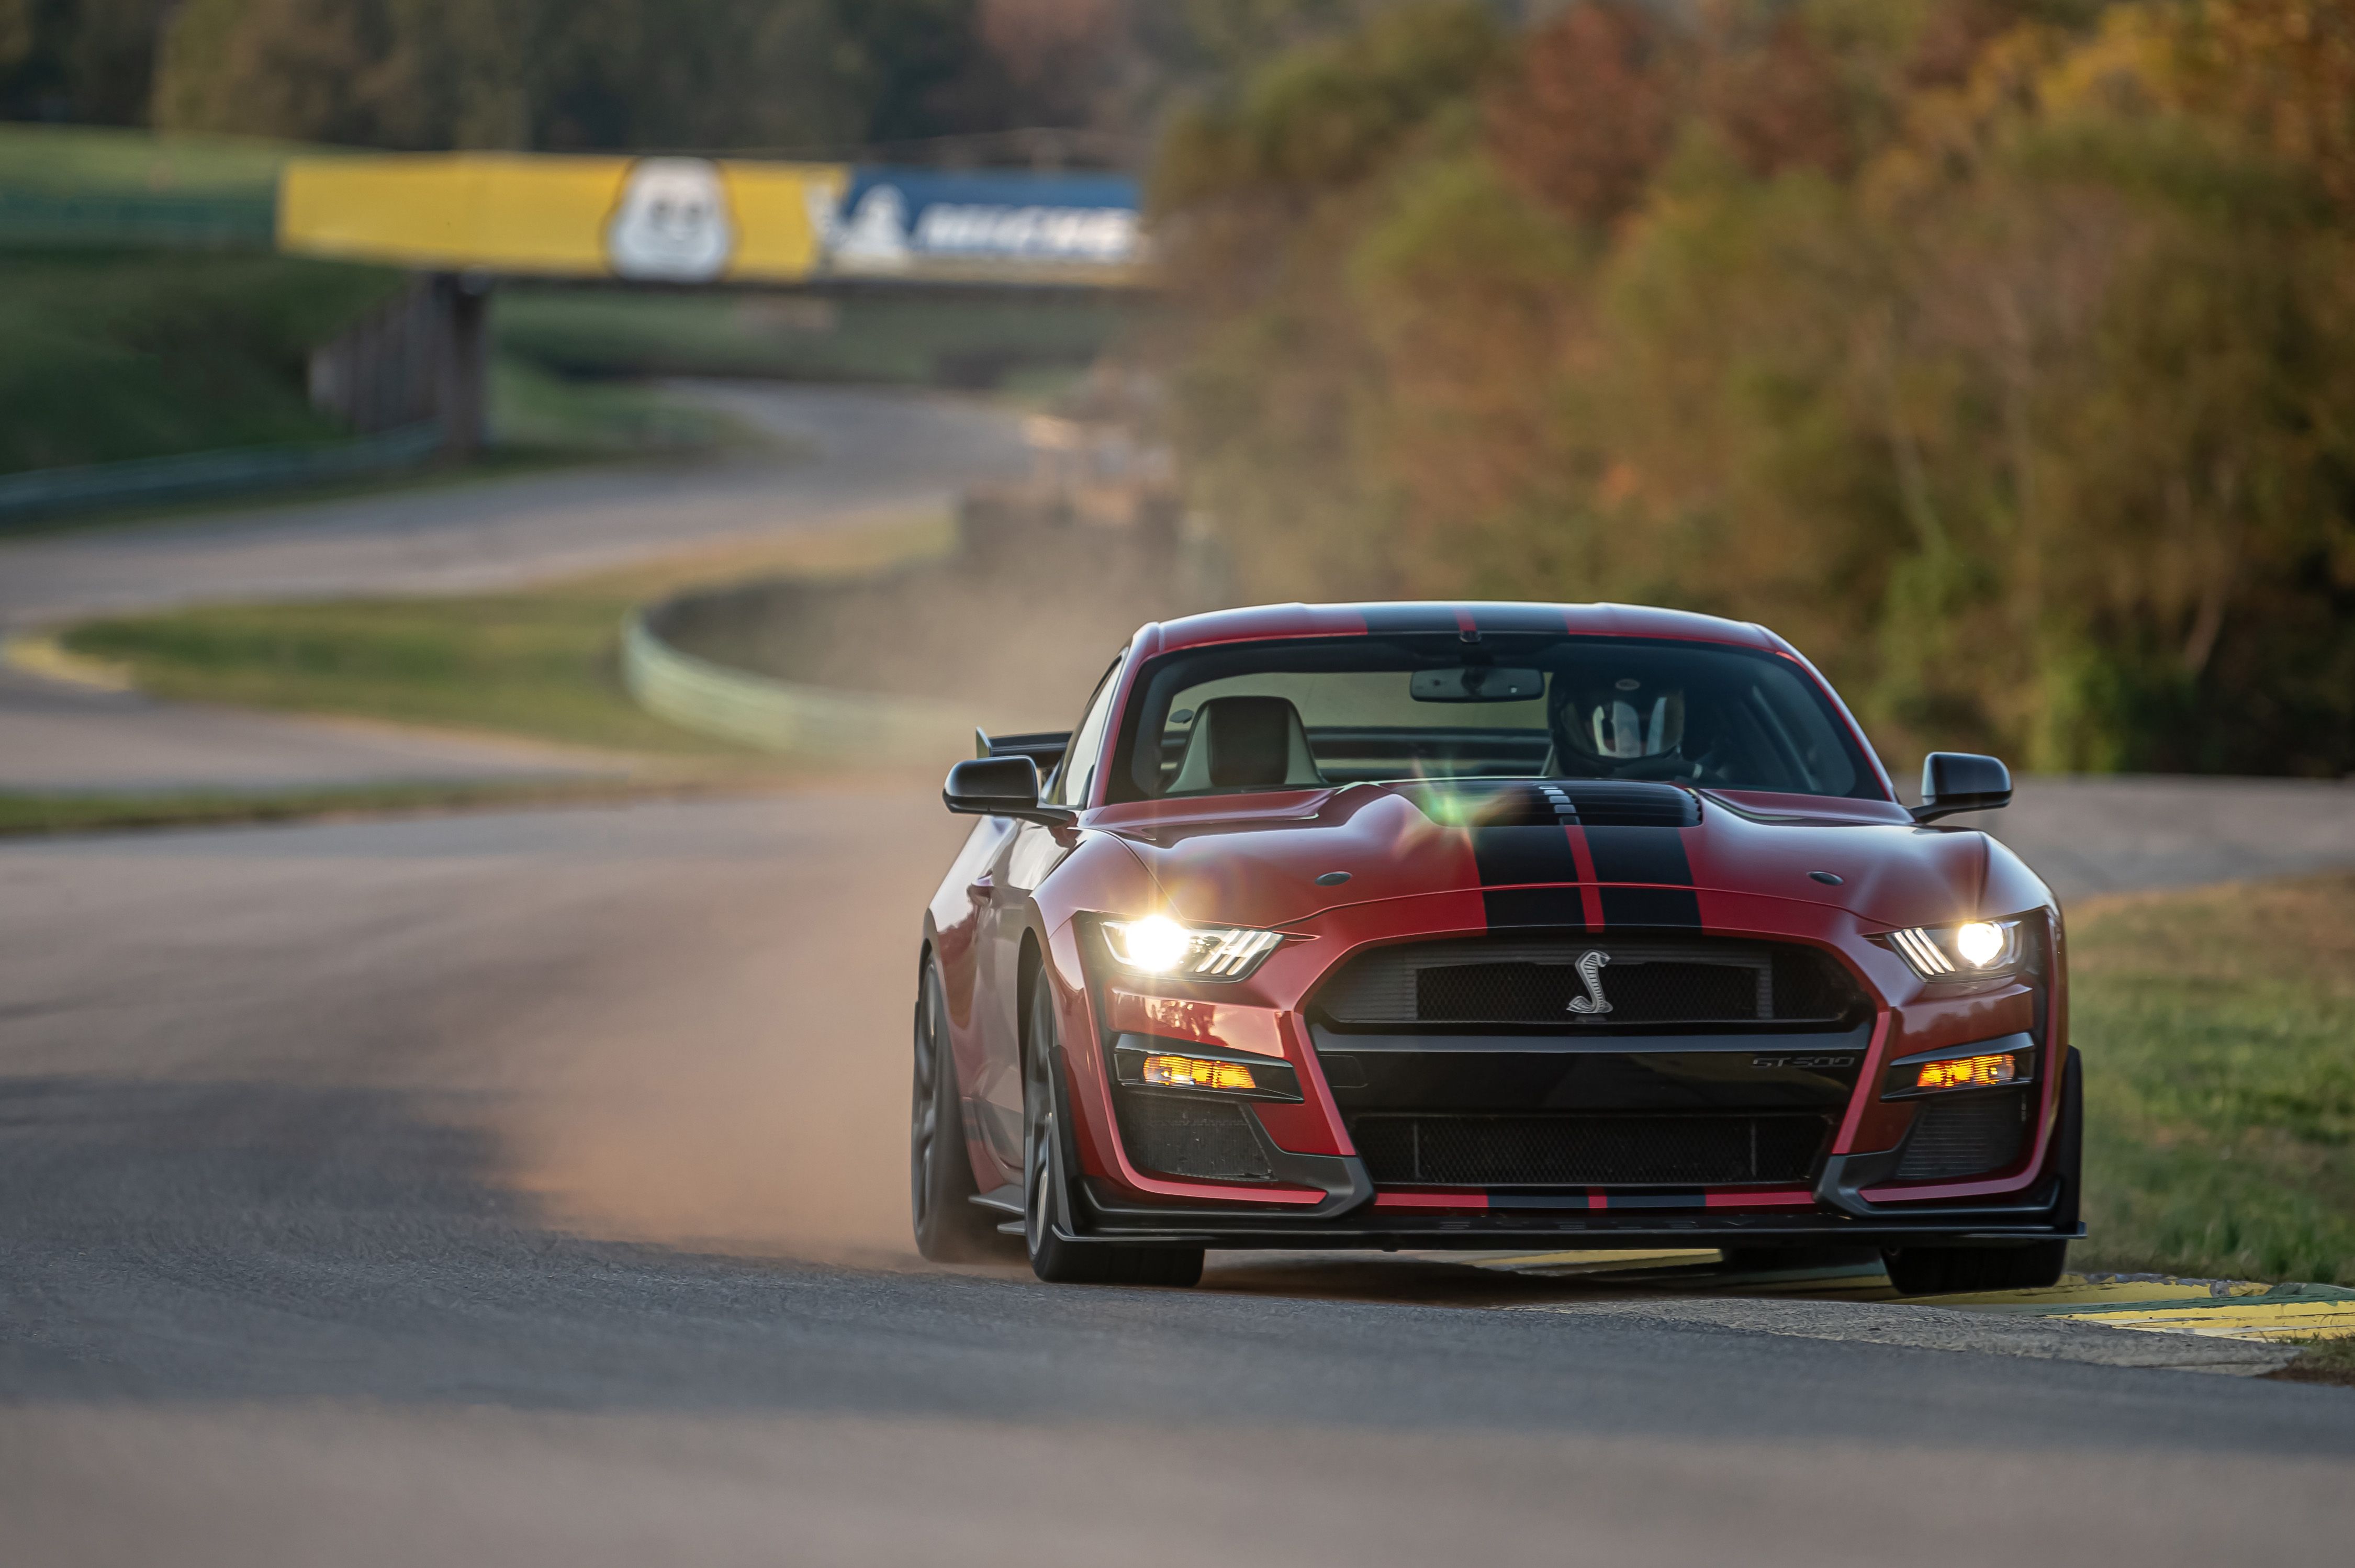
(1480,926)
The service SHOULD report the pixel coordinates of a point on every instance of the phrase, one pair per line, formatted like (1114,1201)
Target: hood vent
(1590,802)
(1612,803)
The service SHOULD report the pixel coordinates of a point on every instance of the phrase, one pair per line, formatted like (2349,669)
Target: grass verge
(2325,1361)
(2219,1032)
(108,355)
(540,663)
(24,815)
(1016,343)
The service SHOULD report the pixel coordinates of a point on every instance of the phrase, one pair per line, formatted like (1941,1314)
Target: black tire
(1952,1271)
(950,1227)
(1046,1192)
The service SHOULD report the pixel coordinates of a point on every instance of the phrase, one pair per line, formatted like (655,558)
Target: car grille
(1520,981)
(1190,1137)
(1964,1136)
(1588,1150)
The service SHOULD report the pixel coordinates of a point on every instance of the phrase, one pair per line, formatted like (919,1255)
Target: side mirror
(1954,781)
(1001,787)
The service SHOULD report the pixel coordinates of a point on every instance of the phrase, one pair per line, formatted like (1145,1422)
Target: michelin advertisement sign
(983,226)
(701,220)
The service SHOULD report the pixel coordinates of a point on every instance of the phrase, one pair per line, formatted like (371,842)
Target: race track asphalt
(839,453)
(528,1188)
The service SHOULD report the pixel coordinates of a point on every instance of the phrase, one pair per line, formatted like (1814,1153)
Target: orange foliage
(1592,110)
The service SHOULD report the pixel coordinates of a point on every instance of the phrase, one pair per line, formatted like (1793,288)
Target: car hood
(1278,857)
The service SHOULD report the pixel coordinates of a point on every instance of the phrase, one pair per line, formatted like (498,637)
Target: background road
(528,1188)
(852,451)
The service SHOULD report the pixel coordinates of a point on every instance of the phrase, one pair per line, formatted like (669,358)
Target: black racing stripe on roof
(1381,618)
(1517,618)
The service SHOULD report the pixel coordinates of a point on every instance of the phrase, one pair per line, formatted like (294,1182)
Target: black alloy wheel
(1045,1194)
(950,1227)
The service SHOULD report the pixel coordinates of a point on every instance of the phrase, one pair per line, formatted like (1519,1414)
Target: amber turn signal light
(1193,1073)
(1968,1072)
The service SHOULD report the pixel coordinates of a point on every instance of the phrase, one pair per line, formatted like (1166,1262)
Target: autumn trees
(2001,353)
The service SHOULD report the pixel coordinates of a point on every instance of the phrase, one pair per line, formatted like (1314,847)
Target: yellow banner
(679,220)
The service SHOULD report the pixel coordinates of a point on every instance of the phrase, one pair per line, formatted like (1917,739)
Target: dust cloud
(730,1073)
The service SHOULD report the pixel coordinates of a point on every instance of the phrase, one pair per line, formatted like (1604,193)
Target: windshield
(1305,712)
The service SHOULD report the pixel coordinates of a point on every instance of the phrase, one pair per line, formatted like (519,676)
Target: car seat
(1246,743)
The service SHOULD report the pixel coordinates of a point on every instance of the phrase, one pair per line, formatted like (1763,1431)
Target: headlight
(1157,945)
(1974,949)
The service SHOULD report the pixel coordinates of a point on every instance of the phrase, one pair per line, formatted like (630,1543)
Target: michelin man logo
(875,239)
(672,224)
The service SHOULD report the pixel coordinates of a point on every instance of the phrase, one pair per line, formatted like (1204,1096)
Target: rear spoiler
(1044,747)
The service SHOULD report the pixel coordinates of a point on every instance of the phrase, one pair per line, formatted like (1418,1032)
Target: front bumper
(1364,1197)
(2049,1215)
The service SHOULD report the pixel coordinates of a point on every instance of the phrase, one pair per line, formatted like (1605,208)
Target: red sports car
(1479,926)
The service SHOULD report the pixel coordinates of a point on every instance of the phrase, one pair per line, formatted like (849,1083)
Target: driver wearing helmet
(1617,728)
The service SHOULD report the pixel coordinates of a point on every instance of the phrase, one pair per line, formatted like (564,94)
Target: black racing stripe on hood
(1651,855)
(1519,854)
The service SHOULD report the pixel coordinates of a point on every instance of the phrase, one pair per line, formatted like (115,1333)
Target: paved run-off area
(531,1189)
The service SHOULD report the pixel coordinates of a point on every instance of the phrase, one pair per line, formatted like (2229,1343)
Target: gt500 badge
(1804,1063)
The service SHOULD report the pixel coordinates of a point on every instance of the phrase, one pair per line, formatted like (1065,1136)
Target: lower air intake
(1589,1151)
(1964,1136)
(1189,1137)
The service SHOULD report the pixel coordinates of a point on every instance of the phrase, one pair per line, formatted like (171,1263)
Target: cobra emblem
(1590,969)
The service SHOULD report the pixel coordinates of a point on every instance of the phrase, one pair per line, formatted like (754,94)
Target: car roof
(1260,622)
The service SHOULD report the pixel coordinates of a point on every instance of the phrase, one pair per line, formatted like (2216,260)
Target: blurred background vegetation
(179,113)
(2000,352)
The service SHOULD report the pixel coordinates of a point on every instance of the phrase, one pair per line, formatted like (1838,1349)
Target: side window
(1079,770)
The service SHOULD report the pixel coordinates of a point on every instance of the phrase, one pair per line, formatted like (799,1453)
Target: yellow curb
(2082,1294)
(48,658)
(2282,1320)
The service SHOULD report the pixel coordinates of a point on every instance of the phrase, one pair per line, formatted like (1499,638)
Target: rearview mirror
(1001,787)
(1476,683)
(1954,782)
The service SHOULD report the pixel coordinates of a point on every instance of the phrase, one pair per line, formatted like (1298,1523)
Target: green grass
(97,160)
(541,663)
(106,355)
(26,814)
(2219,1032)
(533,664)
(601,332)
(536,412)
(2327,1361)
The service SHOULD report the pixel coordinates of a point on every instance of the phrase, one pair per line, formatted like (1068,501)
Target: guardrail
(198,476)
(784,717)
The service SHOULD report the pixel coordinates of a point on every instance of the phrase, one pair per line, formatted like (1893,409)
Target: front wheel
(1045,1194)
